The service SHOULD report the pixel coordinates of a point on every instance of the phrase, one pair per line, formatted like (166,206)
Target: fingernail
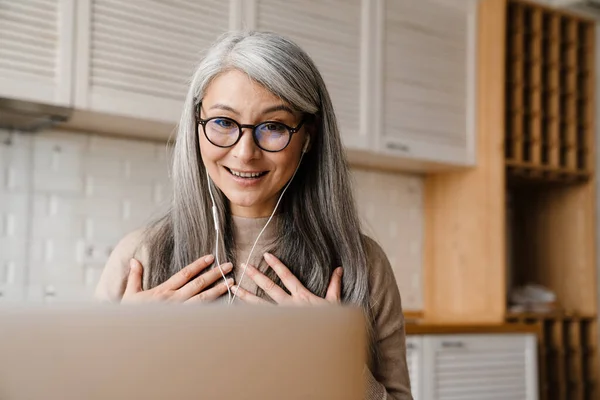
(249,268)
(234,289)
(227,266)
(132,264)
(209,258)
(229,282)
(268,255)
(340,271)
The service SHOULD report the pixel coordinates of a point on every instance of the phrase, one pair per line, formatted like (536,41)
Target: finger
(197,285)
(275,292)
(334,290)
(134,280)
(211,294)
(182,277)
(247,297)
(287,277)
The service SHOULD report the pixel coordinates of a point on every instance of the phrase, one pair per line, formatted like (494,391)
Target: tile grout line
(29,218)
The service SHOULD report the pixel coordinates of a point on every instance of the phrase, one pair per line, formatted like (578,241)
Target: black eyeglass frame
(203,122)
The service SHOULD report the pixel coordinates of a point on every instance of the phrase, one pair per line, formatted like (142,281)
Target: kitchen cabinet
(331,33)
(135,60)
(400,73)
(36,50)
(424,99)
(414,360)
(460,366)
(479,366)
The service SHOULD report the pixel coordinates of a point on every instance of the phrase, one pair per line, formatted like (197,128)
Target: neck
(251,212)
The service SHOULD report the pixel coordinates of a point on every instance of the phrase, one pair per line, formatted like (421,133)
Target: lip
(246,172)
(246,182)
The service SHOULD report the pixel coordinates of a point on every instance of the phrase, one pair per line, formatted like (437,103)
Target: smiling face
(250,177)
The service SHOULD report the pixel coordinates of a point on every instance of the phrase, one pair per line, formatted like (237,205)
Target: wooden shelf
(568,354)
(551,192)
(548,93)
(517,172)
(429,328)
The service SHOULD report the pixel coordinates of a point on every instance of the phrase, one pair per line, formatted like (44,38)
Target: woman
(261,181)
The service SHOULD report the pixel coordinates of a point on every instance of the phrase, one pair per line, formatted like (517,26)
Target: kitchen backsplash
(67,198)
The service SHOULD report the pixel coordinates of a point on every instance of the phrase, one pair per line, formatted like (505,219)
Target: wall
(66,199)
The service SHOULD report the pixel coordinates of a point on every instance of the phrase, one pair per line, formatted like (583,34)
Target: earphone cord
(265,227)
(216,222)
(217,228)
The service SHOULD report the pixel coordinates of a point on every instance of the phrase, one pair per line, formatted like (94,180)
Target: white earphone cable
(265,227)
(217,229)
(217,226)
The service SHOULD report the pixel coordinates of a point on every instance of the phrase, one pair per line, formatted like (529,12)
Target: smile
(246,175)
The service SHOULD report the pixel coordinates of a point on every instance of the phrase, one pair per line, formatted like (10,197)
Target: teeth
(245,174)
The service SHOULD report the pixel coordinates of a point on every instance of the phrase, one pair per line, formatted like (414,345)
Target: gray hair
(318,226)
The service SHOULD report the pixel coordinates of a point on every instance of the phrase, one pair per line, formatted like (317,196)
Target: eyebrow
(224,107)
(280,107)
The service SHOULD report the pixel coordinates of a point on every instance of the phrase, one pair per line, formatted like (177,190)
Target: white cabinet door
(330,32)
(414,359)
(427,78)
(480,367)
(36,41)
(135,59)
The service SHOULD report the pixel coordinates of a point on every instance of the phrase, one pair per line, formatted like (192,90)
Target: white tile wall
(66,199)
(15,173)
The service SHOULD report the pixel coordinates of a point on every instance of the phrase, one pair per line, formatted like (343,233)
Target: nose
(246,150)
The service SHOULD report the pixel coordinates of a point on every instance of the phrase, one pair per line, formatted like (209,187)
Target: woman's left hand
(299,295)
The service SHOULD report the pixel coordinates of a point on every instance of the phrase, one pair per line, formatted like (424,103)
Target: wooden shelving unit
(526,213)
(568,367)
(549,94)
(550,188)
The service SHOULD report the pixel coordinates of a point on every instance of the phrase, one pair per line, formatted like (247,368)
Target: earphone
(306,144)
(216,223)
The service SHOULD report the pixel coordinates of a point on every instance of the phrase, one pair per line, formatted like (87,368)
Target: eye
(223,123)
(274,127)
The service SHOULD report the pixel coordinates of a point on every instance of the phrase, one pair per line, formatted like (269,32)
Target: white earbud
(306,144)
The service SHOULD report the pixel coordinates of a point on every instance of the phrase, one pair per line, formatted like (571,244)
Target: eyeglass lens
(224,132)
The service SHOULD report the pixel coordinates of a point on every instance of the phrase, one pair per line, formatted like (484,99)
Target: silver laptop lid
(181,352)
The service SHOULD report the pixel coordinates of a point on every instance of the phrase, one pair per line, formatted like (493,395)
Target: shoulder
(384,295)
(381,274)
(114,275)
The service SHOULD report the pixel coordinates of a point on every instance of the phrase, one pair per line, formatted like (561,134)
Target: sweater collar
(247,229)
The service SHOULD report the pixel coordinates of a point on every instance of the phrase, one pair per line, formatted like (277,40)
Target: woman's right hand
(180,287)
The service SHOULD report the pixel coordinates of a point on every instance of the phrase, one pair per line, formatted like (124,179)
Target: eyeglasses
(271,136)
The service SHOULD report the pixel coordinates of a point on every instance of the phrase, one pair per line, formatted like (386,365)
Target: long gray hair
(318,226)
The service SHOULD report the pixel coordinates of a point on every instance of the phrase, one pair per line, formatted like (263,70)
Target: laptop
(112,352)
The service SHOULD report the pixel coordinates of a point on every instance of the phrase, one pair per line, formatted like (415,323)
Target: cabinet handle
(452,345)
(398,146)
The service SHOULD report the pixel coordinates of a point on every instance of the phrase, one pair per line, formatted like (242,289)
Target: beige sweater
(390,378)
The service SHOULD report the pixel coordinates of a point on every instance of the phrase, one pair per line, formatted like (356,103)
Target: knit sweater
(389,378)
